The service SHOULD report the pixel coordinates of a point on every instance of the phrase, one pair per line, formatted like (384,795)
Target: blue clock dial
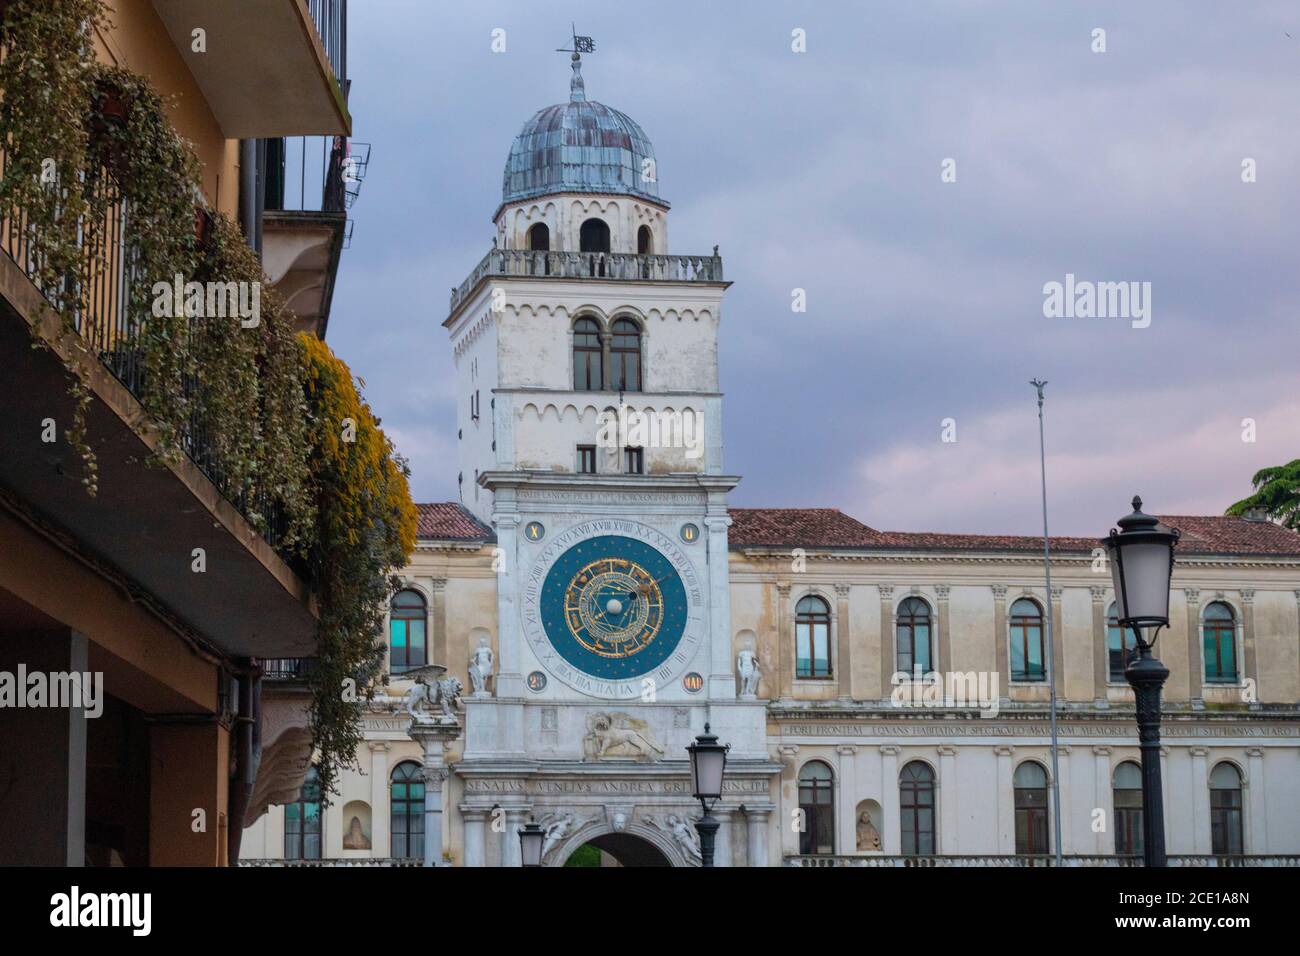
(613,607)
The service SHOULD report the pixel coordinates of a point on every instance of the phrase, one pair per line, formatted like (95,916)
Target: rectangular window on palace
(634,461)
(586,459)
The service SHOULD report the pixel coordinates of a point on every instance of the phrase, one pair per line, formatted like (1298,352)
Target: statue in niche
(355,838)
(868,835)
(749,671)
(480,667)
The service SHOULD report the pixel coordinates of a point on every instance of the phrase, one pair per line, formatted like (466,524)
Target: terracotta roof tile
(831,528)
(450,521)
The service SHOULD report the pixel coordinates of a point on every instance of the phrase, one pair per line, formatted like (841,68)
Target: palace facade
(885,694)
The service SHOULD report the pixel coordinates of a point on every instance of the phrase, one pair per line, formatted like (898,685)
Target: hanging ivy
(274,417)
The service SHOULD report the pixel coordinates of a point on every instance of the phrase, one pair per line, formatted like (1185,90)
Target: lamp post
(708,761)
(531,836)
(1141,557)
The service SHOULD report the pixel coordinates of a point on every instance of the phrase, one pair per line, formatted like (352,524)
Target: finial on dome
(577,89)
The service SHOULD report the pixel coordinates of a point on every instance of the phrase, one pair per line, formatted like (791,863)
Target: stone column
(380,810)
(722,852)
(475,836)
(846,801)
(1058,646)
(1101,794)
(1200,801)
(433,735)
(1194,663)
(1248,656)
(509,678)
(438,622)
(949,841)
(944,638)
(1006,798)
(511,851)
(1000,638)
(891,827)
(1100,655)
(843,645)
(1063,787)
(757,821)
(887,645)
(722,677)
(784,642)
(1256,829)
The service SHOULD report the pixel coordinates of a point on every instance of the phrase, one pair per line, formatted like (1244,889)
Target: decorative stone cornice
(1098,593)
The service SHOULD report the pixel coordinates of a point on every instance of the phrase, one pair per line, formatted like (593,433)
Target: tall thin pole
(1051,662)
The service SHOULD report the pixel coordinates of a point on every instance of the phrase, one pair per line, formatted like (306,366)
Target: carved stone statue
(619,735)
(480,667)
(749,671)
(558,829)
(868,835)
(355,838)
(681,831)
(432,690)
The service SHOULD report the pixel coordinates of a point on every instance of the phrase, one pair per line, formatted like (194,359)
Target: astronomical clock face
(605,612)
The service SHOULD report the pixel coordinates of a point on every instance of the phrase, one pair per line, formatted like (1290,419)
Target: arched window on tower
(645,242)
(625,356)
(407,621)
(593,236)
(539,238)
(406,810)
(1030,787)
(817,801)
(586,356)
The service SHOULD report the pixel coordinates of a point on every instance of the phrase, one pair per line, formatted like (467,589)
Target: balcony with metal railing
(617,266)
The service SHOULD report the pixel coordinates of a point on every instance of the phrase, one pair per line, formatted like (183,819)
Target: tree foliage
(1277,494)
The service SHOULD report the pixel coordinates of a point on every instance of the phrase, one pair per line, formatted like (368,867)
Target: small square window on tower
(633,461)
(586,459)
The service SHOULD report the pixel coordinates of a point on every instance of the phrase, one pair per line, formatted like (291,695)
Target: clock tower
(590,440)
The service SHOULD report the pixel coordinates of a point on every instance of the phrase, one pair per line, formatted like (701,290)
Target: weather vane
(580,44)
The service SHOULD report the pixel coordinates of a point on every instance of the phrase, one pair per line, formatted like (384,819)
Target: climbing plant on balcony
(365,528)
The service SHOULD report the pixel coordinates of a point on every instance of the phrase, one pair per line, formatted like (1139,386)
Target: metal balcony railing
(110,315)
(590,265)
(331,19)
(288,668)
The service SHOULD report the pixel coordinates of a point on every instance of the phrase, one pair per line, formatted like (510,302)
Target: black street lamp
(708,761)
(1141,556)
(531,836)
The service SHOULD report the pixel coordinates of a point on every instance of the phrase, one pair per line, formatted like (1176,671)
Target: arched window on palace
(539,237)
(1030,786)
(812,638)
(406,810)
(916,808)
(1219,634)
(587,375)
(593,236)
(1127,797)
(407,626)
(1027,660)
(645,243)
(1120,646)
(302,831)
(1225,810)
(913,634)
(625,356)
(817,801)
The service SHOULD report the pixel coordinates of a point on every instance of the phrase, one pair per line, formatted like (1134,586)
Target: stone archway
(635,845)
(624,849)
